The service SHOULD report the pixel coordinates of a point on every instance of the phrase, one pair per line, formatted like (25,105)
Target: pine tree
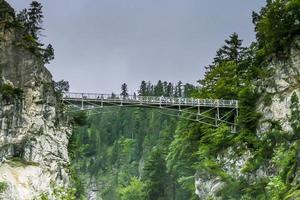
(143,89)
(223,74)
(35,19)
(169,90)
(231,51)
(159,89)
(124,90)
(155,175)
(165,86)
(178,90)
(48,54)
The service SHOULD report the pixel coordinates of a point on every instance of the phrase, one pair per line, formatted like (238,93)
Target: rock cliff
(33,135)
(274,105)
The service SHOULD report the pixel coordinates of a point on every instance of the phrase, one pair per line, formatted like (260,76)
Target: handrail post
(82,101)
(179,99)
(160,102)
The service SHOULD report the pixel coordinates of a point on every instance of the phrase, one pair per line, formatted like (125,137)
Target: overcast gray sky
(99,44)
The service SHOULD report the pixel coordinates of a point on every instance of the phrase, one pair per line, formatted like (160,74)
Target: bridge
(200,110)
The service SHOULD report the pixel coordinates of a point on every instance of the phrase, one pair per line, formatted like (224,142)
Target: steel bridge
(200,110)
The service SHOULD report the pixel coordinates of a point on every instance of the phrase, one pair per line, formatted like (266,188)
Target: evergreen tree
(155,175)
(143,89)
(124,90)
(223,74)
(169,90)
(149,89)
(159,89)
(35,19)
(165,86)
(48,54)
(188,89)
(178,90)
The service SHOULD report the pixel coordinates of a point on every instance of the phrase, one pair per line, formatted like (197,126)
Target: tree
(188,89)
(159,89)
(32,19)
(61,86)
(169,90)
(178,89)
(165,86)
(155,175)
(276,25)
(134,191)
(35,18)
(48,54)
(143,89)
(124,90)
(223,74)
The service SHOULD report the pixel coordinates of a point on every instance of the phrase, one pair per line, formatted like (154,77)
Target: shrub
(3,187)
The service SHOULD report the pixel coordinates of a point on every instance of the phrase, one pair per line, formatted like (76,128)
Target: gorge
(47,151)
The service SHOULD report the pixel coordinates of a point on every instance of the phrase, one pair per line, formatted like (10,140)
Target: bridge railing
(150,100)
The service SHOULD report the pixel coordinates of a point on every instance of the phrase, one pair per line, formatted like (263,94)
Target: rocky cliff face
(274,106)
(33,136)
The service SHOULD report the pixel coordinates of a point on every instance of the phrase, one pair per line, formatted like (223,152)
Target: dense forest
(139,153)
(131,153)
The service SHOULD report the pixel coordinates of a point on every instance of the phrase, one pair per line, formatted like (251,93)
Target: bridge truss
(213,112)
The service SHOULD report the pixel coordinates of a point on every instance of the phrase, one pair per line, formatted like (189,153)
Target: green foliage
(155,175)
(247,102)
(276,188)
(135,190)
(113,146)
(276,25)
(28,23)
(48,54)
(3,187)
(65,194)
(9,91)
(43,196)
(79,118)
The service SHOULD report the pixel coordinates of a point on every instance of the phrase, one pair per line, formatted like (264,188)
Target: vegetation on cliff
(142,154)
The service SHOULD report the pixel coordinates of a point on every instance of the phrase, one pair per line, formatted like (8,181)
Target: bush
(3,187)
(9,91)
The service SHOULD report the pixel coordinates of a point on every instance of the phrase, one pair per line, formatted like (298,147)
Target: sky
(100,44)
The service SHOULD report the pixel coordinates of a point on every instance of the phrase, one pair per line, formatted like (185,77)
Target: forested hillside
(134,153)
(121,151)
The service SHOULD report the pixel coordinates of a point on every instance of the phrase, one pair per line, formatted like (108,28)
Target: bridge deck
(110,99)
